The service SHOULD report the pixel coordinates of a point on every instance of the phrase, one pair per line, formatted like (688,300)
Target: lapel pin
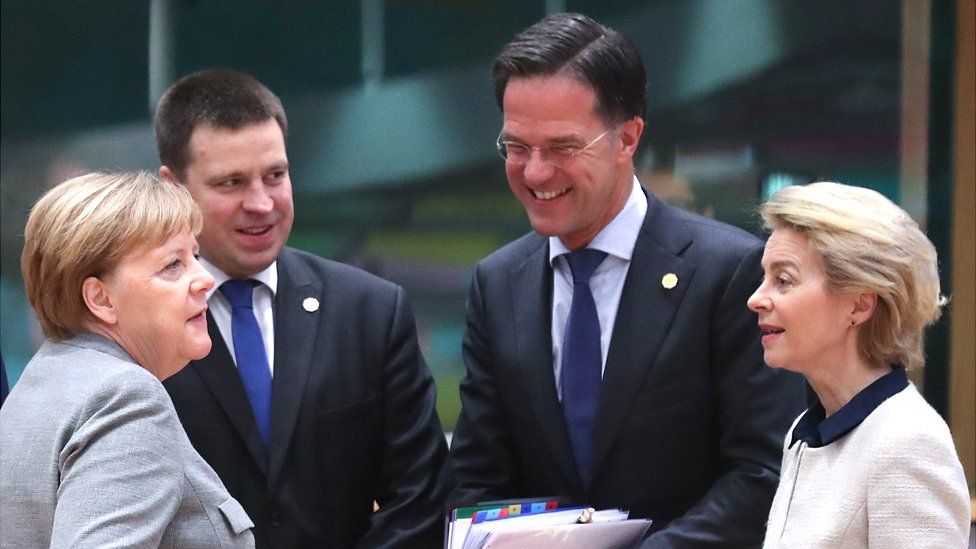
(669,281)
(310,304)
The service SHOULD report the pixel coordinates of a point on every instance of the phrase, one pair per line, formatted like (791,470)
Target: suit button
(277,518)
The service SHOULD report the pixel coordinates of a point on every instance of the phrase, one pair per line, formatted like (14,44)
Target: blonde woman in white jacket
(850,283)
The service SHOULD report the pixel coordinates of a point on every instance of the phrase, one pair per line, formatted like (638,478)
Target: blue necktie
(252,359)
(581,364)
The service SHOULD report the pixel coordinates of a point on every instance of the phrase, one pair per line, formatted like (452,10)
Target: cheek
(159,306)
(591,181)
(216,208)
(283,202)
(514,174)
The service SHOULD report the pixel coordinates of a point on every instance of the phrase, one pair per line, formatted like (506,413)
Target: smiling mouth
(548,195)
(255,231)
(771,331)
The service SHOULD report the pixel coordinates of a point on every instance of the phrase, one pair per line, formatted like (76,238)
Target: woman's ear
(864,305)
(98,300)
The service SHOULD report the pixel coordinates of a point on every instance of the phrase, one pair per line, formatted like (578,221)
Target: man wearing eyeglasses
(610,356)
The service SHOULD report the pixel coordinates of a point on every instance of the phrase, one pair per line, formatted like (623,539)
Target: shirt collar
(268,277)
(816,430)
(619,237)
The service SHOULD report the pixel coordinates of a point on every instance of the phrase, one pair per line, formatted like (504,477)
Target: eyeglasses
(519,153)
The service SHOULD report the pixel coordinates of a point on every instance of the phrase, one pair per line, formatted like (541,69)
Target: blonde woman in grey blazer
(92,453)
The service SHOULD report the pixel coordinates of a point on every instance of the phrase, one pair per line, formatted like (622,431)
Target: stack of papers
(496,528)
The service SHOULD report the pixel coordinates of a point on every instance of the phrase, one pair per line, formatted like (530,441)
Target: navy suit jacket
(353,417)
(690,422)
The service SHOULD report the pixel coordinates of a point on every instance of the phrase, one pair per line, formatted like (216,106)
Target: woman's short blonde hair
(83,227)
(868,244)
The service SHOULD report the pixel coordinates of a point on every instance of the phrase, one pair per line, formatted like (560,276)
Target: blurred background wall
(393,124)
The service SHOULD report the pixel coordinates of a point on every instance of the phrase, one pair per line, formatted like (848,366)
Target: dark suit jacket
(690,421)
(353,417)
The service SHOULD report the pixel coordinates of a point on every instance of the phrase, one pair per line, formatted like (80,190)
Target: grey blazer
(92,454)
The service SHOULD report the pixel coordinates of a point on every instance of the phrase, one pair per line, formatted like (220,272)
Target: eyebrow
(223,176)
(179,248)
(237,174)
(558,140)
(780,264)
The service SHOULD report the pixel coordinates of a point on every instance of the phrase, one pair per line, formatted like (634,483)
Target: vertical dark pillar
(940,193)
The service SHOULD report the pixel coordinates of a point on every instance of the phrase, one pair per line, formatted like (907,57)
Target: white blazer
(894,481)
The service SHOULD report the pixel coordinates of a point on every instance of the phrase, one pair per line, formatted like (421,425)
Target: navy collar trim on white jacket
(816,430)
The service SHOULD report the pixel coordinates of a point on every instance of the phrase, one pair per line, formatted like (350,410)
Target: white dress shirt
(617,239)
(263,307)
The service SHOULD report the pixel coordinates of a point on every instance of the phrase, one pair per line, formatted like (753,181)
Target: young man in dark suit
(315,401)
(610,355)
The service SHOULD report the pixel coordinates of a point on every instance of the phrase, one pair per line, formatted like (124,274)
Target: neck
(835,387)
(143,359)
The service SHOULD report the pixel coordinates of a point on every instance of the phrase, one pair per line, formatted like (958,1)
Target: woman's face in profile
(159,298)
(803,324)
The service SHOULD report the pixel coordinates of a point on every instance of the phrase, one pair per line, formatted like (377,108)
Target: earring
(853,322)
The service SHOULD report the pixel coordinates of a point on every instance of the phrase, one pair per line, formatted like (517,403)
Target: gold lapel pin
(669,281)
(310,304)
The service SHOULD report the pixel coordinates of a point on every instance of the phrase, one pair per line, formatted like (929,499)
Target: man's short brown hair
(222,98)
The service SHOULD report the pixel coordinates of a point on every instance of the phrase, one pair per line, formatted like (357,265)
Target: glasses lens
(515,152)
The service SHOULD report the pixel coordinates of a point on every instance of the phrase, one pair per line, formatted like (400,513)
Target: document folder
(524,526)
(460,518)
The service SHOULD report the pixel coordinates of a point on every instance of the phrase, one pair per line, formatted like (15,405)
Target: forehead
(789,246)
(549,104)
(220,149)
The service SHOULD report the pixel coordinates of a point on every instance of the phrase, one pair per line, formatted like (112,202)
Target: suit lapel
(532,302)
(295,331)
(644,318)
(220,374)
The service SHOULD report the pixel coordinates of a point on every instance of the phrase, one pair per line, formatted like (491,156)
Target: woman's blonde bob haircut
(868,244)
(83,227)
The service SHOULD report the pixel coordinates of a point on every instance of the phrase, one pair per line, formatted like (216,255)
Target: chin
(545,227)
(198,350)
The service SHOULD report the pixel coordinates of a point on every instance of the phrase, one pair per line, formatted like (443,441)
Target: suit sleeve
(413,487)
(917,496)
(481,450)
(120,473)
(755,405)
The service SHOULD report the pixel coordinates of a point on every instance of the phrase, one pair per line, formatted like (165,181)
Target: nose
(758,301)
(203,281)
(537,169)
(257,199)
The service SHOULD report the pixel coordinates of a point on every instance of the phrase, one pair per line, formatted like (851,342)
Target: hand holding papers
(575,527)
